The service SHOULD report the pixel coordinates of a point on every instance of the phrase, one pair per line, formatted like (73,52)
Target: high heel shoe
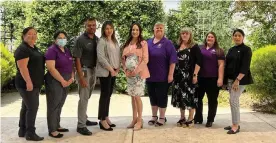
(103,128)
(131,125)
(181,122)
(160,124)
(136,127)
(152,122)
(189,124)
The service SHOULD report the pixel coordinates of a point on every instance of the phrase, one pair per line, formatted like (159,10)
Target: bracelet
(238,79)
(194,75)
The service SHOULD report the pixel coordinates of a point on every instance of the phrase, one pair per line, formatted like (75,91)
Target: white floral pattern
(135,85)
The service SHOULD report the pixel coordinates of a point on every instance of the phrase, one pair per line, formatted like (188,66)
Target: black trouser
(29,107)
(208,86)
(107,84)
(55,96)
(158,93)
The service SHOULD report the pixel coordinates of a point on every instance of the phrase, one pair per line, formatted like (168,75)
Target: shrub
(263,69)
(121,82)
(8,68)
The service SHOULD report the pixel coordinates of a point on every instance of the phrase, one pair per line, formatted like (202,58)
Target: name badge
(159,45)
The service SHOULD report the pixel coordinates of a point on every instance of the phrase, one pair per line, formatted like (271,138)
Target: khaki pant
(84,94)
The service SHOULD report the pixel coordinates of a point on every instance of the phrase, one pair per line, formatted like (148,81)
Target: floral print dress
(135,84)
(183,90)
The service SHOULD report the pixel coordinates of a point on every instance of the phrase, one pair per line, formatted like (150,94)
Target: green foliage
(202,17)
(263,70)
(121,83)
(50,16)
(8,69)
(263,17)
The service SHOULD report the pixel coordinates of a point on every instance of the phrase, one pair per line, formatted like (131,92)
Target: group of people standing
(191,70)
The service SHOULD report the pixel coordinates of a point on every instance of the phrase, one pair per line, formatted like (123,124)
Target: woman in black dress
(185,76)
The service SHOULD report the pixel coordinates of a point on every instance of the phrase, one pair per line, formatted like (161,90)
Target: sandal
(152,122)
(189,124)
(181,122)
(161,124)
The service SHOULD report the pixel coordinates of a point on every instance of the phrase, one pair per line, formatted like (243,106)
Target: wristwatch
(194,75)
(238,79)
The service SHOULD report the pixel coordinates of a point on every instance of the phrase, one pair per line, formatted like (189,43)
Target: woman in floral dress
(185,77)
(135,59)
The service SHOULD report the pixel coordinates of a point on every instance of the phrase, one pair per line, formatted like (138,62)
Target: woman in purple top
(210,77)
(185,75)
(60,75)
(162,59)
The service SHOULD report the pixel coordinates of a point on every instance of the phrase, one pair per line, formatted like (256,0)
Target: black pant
(158,93)
(29,107)
(107,84)
(55,96)
(208,85)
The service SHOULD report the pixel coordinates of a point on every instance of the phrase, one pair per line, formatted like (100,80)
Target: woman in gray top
(108,66)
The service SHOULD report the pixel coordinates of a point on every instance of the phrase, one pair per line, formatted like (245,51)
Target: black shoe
(21,132)
(161,124)
(102,127)
(33,137)
(59,135)
(189,124)
(112,125)
(229,128)
(181,122)
(233,132)
(63,130)
(90,123)
(152,122)
(209,124)
(84,131)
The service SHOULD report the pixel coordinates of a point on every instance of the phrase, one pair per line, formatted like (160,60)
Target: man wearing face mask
(85,60)
(60,75)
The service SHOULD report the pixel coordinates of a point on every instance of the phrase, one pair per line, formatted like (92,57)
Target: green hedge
(263,69)
(8,68)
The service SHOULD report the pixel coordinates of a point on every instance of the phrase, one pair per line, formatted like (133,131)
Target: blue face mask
(61,42)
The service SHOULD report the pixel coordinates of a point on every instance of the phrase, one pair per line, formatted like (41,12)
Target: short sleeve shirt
(36,65)
(63,60)
(86,49)
(210,59)
(161,55)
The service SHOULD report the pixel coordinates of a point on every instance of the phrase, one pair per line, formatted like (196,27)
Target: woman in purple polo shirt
(210,78)
(162,59)
(185,75)
(60,75)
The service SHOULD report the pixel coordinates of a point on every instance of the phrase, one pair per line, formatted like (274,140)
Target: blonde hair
(191,42)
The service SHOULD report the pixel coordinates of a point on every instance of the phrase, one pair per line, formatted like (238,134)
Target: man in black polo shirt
(85,58)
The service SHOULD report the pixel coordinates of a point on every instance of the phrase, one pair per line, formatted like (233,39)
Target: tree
(50,16)
(263,17)
(202,17)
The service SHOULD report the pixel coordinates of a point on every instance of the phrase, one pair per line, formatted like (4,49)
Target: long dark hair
(25,31)
(140,37)
(113,34)
(238,30)
(219,51)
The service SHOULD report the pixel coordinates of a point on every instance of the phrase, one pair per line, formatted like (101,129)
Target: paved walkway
(255,127)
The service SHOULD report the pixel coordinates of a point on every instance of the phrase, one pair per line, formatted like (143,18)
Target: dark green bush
(121,82)
(8,68)
(263,67)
